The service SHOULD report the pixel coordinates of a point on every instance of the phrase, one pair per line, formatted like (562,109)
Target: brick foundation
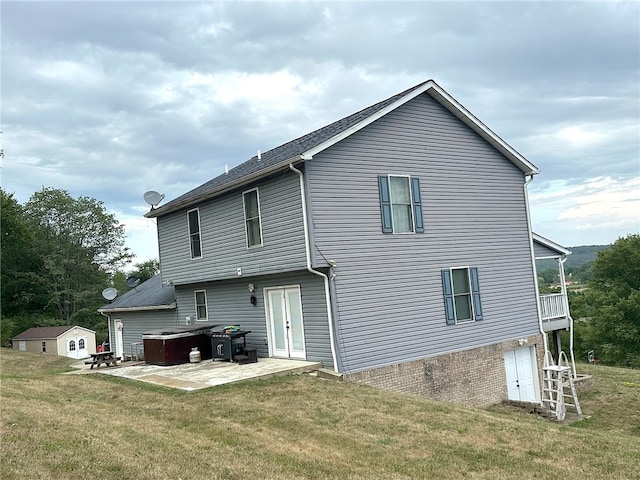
(474,377)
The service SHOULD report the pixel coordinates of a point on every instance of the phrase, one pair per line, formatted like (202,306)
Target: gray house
(394,246)
(145,307)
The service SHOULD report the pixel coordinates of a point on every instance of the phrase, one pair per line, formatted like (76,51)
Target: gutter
(108,315)
(138,309)
(316,272)
(222,189)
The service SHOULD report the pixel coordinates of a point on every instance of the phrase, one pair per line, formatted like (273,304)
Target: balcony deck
(555,315)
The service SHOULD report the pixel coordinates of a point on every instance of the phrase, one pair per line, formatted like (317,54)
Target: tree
(78,246)
(144,271)
(18,293)
(612,304)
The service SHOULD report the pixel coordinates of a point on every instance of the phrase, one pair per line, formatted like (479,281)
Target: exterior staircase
(559,391)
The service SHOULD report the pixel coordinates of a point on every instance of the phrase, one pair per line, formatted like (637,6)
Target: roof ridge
(284,151)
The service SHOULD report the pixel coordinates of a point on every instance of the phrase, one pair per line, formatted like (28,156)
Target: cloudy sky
(112,99)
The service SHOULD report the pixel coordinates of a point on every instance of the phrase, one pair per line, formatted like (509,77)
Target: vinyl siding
(223,238)
(388,286)
(541,251)
(228,303)
(134,324)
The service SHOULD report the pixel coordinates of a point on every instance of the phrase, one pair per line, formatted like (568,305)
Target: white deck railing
(553,306)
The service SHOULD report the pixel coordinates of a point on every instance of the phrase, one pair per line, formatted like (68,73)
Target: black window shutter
(417,204)
(385,204)
(475,291)
(448,297)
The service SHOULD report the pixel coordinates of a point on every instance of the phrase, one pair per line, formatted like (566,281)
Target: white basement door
(521,371)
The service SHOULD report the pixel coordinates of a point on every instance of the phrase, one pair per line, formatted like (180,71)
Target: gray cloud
(110,99)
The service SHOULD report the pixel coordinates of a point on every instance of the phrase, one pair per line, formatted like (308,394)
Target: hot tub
(171,346)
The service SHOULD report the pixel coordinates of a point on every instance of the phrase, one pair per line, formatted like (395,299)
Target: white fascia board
(453,106)
(545,242)
(481,129)
(308,155)
(138,309)
(157,212)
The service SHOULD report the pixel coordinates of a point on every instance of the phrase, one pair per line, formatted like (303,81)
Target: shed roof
(305,147)
(149,295)
(46,333)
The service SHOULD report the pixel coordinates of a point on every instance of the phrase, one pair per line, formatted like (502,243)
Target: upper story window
(400,204)
(253,226)
(193,218)
(201,304)
(461,290)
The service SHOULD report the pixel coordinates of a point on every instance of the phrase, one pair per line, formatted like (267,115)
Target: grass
(297,427)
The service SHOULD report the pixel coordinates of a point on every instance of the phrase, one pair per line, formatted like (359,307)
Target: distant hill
(580,256)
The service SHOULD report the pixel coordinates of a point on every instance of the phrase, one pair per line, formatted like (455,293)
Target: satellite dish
(110,293)
(153,198)
(132,281)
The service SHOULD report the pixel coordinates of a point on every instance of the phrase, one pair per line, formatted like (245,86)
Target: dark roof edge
(171,306)
(56,337)
(550,244)
(430,87)
(223,188)
(454,107)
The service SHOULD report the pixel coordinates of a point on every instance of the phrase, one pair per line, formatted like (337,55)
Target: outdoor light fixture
(252,298)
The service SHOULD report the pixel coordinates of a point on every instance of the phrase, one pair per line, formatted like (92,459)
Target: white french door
(286,328)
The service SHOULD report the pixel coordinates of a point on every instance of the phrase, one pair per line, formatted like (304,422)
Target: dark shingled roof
(37,333)
(148,294)
(303,147)
(275,156)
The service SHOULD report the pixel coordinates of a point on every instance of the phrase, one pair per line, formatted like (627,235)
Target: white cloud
(141,235)
(111,105)
(600,209)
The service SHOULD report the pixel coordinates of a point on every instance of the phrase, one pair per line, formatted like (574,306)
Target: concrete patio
(197,376)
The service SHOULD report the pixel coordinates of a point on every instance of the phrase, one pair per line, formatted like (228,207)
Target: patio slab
(206,374)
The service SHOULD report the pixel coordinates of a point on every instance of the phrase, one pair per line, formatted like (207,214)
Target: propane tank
(194,355)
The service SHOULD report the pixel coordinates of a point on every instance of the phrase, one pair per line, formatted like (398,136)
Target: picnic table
(108,358)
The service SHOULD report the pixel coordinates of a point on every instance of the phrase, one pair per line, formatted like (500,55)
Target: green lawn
(297,427)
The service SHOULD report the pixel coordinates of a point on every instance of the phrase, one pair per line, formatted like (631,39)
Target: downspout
(325,278)
(108,315)
(533,261)
(565,299)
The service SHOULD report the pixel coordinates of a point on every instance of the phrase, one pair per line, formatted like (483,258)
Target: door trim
(269,322)
(531,370)
(117,334)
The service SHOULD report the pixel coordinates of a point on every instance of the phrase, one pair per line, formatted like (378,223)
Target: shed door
(77,347)
(72,347)
(520,368)
(285,322)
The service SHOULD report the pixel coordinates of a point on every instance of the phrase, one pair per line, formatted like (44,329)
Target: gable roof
(149,295)
(305,147)
(550,244)
(46,333)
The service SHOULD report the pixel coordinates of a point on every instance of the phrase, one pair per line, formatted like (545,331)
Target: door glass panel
(295,317)
(277,314)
